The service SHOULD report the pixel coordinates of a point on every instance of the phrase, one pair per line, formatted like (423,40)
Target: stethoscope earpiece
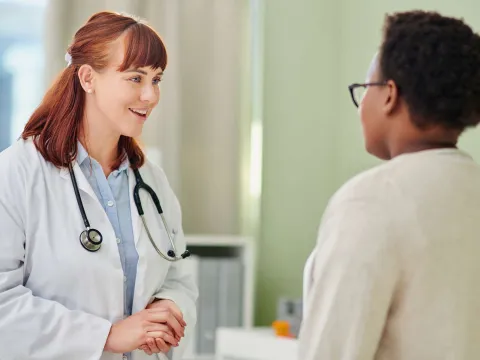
(172,254)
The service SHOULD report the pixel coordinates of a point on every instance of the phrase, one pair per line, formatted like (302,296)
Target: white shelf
(218,240)
(242,247)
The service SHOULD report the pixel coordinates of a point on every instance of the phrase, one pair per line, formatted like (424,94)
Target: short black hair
(435,62)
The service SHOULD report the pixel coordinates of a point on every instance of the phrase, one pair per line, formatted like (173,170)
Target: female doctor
(80,278)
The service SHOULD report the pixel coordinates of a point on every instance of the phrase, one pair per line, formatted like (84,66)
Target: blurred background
(255,128)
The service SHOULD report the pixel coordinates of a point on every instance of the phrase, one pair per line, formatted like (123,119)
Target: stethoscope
(91,239)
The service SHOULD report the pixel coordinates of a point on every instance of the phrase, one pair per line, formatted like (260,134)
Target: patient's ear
(391,97)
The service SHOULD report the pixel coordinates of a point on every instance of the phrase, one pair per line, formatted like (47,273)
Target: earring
(89,91)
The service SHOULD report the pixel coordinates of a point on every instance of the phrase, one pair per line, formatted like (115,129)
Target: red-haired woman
(89,269)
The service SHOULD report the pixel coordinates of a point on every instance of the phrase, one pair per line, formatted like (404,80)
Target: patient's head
(423,87)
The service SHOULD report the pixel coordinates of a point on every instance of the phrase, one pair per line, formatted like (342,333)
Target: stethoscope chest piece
(91,240)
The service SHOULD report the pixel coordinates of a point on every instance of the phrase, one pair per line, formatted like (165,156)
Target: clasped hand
(155,329)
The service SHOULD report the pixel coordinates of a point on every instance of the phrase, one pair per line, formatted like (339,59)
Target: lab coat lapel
(136,220)
(82,181)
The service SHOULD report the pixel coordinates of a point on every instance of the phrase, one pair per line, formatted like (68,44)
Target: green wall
(312,137)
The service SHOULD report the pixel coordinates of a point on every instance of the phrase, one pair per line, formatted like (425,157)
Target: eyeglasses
(357,91)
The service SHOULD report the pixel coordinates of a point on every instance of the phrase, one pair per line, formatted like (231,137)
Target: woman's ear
(391,97)
(86,77)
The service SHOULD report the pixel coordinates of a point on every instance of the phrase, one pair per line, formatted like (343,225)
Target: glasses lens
(359,93)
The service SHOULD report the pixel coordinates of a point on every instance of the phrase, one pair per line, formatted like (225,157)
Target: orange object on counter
(282,328)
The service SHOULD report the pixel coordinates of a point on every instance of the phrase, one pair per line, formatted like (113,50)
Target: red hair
(55,124)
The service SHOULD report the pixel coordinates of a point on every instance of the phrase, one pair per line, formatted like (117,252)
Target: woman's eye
(136,79)
(156,81)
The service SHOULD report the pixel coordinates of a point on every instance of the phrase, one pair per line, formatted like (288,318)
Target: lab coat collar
(82,181)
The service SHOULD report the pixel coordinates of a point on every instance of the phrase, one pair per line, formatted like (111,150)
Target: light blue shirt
(113,194)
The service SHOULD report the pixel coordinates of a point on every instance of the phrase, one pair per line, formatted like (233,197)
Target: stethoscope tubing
(91,239)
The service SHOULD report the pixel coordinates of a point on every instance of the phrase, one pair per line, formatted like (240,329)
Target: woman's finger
(167,337)
(152,344)
(172,307)
(166,317)
(162,345)
(158,327)
(146,349)
(178,315)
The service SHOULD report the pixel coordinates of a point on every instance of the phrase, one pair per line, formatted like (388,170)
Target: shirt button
(110,203)
(119,241)
(124,279)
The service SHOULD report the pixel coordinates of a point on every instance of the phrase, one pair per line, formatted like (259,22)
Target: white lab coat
(57,300)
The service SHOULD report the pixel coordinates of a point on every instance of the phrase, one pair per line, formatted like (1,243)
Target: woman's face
(374,122)
(124,100)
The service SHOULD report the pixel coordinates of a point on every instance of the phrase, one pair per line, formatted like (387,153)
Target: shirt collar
(124,165)
(82,156)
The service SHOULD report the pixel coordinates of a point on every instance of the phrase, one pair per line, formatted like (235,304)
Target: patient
(396,269)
